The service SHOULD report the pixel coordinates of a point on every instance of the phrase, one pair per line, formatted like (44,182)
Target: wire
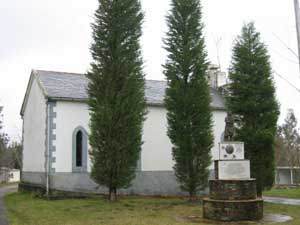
(284,57)
(291,50)
(287,81)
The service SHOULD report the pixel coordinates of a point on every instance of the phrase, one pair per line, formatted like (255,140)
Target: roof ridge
(81,74)
(60,72)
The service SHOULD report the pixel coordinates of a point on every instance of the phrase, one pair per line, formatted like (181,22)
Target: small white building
(287,176)
(8,175)
(55,136)
(14,176)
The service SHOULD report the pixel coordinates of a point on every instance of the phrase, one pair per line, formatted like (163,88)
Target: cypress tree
(252,100)
(187,100)
(116,94)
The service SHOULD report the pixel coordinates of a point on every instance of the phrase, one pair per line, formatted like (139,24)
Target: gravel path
(285,201)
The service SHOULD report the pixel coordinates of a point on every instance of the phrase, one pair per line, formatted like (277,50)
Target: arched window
(79,150)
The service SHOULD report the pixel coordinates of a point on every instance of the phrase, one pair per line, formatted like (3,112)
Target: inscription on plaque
(239,169)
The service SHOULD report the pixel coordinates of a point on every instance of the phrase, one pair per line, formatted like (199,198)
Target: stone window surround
(83,168)
(50,131)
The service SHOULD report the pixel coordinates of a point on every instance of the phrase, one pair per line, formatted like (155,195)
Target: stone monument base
(233,210)
(232,189)
(232,194)
(233,200)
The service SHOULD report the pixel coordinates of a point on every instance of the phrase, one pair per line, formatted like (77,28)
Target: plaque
(231,150)
(237,169)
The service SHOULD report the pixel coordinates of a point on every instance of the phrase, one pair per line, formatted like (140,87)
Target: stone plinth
(232,189)
(232,194)
(233,210)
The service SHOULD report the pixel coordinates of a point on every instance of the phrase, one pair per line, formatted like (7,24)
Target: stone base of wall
(232,189)
(238,210)
(28,187)
(147,183)
(40,191)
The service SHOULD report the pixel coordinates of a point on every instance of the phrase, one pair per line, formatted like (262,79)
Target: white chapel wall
(156,154)
(70,115)
(157,149)
(34,120)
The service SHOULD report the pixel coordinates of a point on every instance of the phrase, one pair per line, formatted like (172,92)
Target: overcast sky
(56,35)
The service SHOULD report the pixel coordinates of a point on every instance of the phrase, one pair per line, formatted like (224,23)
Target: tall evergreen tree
(188,99)
(116,94)
(288,144)
(252,100)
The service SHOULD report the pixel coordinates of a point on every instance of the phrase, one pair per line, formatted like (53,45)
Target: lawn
(28,210)
(284,192)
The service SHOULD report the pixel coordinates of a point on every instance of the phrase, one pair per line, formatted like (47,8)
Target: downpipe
(48,151)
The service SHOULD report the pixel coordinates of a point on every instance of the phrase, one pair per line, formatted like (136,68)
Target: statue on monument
(229,128)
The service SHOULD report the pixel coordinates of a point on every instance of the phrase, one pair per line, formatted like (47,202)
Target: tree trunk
(112,194)
(192,197)
(259,193)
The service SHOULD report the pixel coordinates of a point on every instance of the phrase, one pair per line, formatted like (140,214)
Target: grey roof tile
(60,85)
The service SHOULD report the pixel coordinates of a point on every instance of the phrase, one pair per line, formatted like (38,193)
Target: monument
(232,193)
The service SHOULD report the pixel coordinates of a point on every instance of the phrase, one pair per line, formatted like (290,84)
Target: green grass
(285,193)
(288,210)
(28,210)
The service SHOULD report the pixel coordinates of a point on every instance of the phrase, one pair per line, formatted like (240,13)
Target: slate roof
(72,86)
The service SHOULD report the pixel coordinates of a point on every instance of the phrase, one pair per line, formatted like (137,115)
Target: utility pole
(297,14)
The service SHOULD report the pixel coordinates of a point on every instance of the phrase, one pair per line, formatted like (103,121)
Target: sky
(56,35)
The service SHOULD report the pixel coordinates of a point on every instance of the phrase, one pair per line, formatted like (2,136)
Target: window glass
(79,149)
